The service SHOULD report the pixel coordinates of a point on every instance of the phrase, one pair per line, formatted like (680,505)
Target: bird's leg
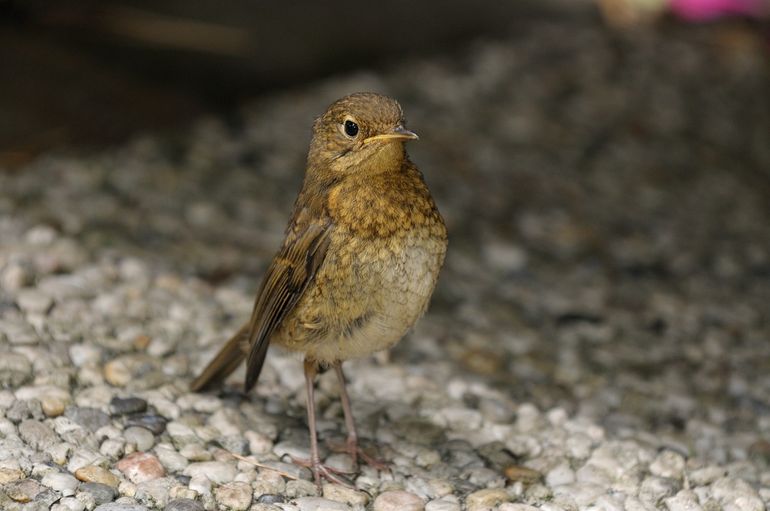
(350,424)
(319,470)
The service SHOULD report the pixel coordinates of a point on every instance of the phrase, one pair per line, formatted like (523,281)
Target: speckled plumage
(385,251)
(360,259)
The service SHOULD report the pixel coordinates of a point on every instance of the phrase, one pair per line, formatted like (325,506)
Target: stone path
(599,338)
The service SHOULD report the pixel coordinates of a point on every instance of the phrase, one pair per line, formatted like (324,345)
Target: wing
(292,269)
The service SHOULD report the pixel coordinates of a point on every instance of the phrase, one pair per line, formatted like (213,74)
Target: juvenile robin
(359,262)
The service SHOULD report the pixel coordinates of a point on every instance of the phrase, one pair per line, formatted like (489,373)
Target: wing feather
(285,282)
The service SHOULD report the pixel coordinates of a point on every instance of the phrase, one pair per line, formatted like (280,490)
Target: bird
(358,265)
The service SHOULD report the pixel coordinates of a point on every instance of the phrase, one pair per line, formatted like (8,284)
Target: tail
(227,360)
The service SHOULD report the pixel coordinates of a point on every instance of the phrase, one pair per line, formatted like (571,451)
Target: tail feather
(227,360)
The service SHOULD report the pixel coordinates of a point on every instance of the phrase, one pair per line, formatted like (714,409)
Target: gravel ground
(599,338)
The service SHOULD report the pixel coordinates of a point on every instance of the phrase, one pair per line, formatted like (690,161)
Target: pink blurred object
(703,10)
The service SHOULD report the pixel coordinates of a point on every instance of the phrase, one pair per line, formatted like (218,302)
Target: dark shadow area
(86,74)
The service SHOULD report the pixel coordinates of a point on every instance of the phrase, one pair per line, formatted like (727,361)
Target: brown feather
(285,282)
(227,360)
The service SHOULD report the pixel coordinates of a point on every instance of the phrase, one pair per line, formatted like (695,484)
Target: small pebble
(113,447)
(654,489)
(235,495)
(116,506)
(94,474)
(685,500)
(33,301)
(69,504)
(65,484)
(15,369)
(101,493)
(486,499)
(24,490)
(142,438)
(200,484)
(153,423)
(668,464)
(195,452)
(184,505)
(347,495)
(443,504)
(90,418)
(258,443)
(269,498)
(10,474)
(38,435)
(398,501)
(127,405)
(320,504)
(523,474)
(140,467)
(218,472)
(171,459)
(300,488)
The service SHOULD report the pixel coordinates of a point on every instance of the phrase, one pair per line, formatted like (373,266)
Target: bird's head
(360,133)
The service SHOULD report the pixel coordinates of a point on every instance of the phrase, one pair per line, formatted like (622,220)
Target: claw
(321,471)
(351,447)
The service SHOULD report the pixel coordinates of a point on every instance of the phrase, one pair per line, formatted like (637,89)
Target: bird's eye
(351,128)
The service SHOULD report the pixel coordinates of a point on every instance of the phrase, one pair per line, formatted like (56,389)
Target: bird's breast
(367,294)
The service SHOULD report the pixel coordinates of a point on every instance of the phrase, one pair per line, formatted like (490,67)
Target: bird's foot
(351,447)
(321,471)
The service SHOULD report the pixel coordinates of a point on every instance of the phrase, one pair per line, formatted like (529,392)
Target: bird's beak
(398,133)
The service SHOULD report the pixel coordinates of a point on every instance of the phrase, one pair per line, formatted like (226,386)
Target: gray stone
(24,409)
(184,505)
(510,506)
(18,332)
(668,464)
(66,484)
(15,369)
(127,405)
(398,501)
(235,443)
(69,504)
(115,506)
(235,495)
(23,490)
(101,493)
(33,301)
(300,488)
(654,489)
(90,418)
(294,471)
(156,424)
(271,499)
(155,493)
(171,459)
(685,500)
(736,495)
(320,504)
(142,438)
(340,493)
(443,504)
(37,434)
(485,499)
(706,475)
(292,449)
(217,472)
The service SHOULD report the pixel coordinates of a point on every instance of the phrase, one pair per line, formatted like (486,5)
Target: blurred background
(604,168)
(90,73)
(79,74)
